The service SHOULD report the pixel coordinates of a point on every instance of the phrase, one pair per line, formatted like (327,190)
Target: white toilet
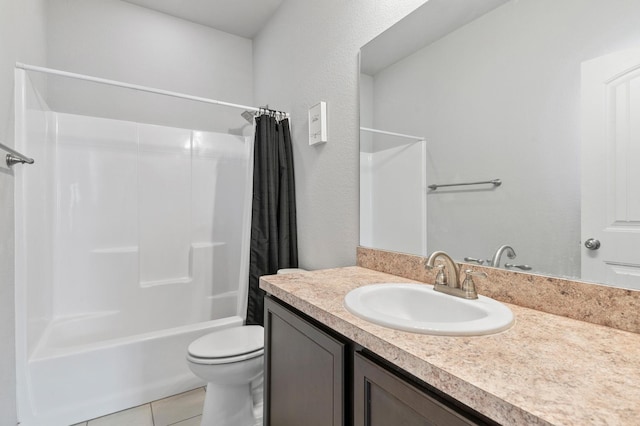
(231,361)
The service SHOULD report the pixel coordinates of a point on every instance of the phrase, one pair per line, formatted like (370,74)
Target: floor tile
(177,408)
(138,416)
(193,421)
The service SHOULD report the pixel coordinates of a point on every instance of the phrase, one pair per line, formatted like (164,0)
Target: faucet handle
(468,286)
(473,259)
(522,267)
(471,272)
(441,277)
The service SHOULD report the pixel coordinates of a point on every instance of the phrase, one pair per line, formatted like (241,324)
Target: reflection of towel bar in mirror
(384,132)
(494,182)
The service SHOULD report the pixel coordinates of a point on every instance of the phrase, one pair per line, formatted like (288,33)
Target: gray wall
(309,53)
(120,41)
(22,38)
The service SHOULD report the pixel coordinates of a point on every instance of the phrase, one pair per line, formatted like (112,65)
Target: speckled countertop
(546,369)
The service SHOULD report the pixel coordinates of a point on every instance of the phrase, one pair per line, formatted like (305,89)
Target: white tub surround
(130,244)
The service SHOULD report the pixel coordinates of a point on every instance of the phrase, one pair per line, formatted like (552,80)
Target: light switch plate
(318,123)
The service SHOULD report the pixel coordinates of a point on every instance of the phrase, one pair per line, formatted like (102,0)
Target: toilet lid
(291,271)
(229,342)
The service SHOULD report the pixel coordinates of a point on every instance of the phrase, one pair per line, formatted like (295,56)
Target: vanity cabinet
(315,377)
(304,371)
(382,399)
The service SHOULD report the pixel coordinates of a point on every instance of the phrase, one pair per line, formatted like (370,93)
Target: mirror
(543,95)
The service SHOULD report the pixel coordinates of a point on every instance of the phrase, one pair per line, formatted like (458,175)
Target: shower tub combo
(131,242)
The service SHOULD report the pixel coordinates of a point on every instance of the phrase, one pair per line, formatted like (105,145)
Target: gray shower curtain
(274,236)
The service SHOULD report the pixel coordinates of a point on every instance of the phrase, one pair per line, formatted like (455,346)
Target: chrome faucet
(453,271)
(450,283)
(511,254)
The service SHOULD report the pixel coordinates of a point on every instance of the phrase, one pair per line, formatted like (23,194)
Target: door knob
(592,244)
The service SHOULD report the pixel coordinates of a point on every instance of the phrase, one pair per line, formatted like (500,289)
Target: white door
(611,169)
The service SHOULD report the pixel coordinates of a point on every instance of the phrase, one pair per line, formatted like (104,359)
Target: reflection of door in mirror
(610,172)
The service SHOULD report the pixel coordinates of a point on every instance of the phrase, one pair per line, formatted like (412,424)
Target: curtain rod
(384,132)
(144,88)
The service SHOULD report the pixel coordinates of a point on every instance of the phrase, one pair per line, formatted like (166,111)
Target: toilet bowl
(231,361)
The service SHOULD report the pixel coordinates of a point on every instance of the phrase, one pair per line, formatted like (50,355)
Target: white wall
(120,41)
(500,98)
(307,53)
(22,38)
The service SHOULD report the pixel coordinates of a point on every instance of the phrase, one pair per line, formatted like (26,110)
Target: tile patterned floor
(184,409)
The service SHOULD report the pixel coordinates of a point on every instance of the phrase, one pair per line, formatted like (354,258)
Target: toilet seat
(224,360)
(226,346)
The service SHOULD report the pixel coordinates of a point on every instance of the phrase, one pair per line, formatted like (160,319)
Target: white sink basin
(420,309)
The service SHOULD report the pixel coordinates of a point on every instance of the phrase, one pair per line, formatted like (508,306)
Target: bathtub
(132,240)
(113,374)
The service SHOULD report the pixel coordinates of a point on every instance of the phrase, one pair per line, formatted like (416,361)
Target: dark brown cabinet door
(304,372)
(383,399)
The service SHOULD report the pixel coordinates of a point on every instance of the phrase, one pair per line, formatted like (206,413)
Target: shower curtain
(274,237)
